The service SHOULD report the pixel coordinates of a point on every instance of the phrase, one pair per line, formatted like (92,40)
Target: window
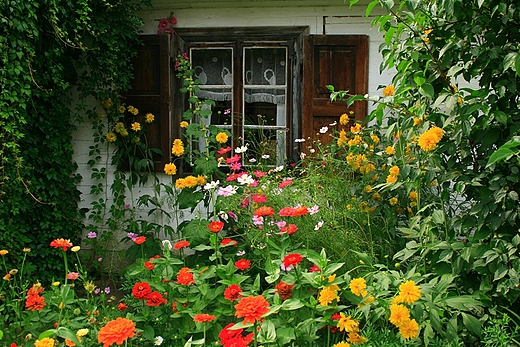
(268,84)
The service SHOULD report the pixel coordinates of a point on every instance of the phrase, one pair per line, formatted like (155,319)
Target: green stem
(254,334)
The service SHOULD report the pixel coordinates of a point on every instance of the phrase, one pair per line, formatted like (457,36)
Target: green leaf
(419,78)
(517,64)
(510,61)
(505,152)
(291,304)
(148,333)
(427,90)
(285,335)
(370,7)
(472,323)
(267,332)
(463,302)
(438,217)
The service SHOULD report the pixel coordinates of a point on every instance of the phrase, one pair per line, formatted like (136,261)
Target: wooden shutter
(150,93)
(338,60)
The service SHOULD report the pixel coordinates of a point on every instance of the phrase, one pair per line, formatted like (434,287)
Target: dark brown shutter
(338,60)
(150,93)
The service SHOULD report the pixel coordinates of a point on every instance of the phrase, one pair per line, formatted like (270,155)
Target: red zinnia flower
(232,292)
(57,243)
(185,277)
(252,308)
(116,331)
(289,229)
(35,303)
(259,198)
(233,159)
(285,183)
(228,241)
(139,240)
(286,212)
(315,268)
(264,211)
(292,259)
(155,299)
(204,317)
(122,306)
(284,290)
(36,289)
(243,264)
(300,211)
(149,265)
(215,227)
(181,244)
(141,290)
(227,334)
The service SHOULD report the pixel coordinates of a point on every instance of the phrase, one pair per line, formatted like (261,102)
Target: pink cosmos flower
(233,159)
(224,150)
(259,174)
(285,183)
(259,198)
(235,166)
(73,275)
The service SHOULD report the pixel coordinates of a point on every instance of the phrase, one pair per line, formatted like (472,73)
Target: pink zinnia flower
(235,166)
(259,198)
(233,159)
(285,183)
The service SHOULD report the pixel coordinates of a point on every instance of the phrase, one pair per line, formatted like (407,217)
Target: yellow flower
(45,342)
(201,180)
(180,183)
(13,272)
(170,169)
(348,324)
(356,128)
(55,284)
(391,179)
(355,141)
(133,110)
(343,120)
(178,148)
(356,339)
(75,248)
(89,286)
(375,138)
(221,137)
(107,103)
(82,332)
(393,201)
(122,109)
(399,314)
(327,295)
(417,121)
(111,137)
(367,168)
(390,150)
(376,196)
(184,124)
(149,118)
(409,330)
(409,292)
(136,126)
(191,181)
(413,195)
(430,138)
(368,189)
(388,90)
(3,252)
(27,250)
(357,286)
(394,170)
(342,344)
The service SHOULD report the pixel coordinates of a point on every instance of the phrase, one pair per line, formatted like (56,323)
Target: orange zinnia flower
(141,290)
(181,244)
(264,211)
(300,211)
(215,227)
(204,317)
(57,243)
(35,303)
(284,290)
(116,331)
(185,277)
(232,292)
(243,264)
(122,306)
(36,289)
(252,308)
(140,240)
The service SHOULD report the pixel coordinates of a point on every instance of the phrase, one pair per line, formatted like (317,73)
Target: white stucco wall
(324,19)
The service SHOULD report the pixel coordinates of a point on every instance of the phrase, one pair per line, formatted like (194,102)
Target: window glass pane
(265,66)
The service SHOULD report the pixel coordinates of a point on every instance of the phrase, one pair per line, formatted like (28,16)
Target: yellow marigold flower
(107,103)
(393,201)
(201,180)
(356,339)
(178,150)
(327,295)
(348,324)
(368,189)
(4,252)
(124,133)
(389,90)
(394,170)
(82,332)
(399,314)
(409,292)
(365,169)
(191,181)
(341,344)
(180,183)
(417,121)
(221,137)
(136,126)
(122,109)
(357,286)
(170,169)
(390,150)
(75,249)
(376,196)
(413,195)
(391,179)
(343,120)
(355,141)
(45,342)
(133,110)
(149,118)
(356,128)
(409,330)
(184,124)
(119,127)
(375,138)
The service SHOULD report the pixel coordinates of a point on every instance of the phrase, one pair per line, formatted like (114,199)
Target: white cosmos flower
(319,225)
(245,179)
(323,130)
(211,185)
(241,149)
(158,340)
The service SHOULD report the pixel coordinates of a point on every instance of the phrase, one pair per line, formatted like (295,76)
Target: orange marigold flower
(116,331)
(185,277)
(344,119)
(35,303)
(429,139)
(221,137)
(139,240)
(204,317)
(3,252)
(284,290)
(45,342)
(328,294)
(181,244)
(65,244)
(252,308)
(141,290)
(215,226)
(232,292)
(243,264)
(391,179)
(264,211)
(292,259)
(409,330)
(357,286)
(390,150)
